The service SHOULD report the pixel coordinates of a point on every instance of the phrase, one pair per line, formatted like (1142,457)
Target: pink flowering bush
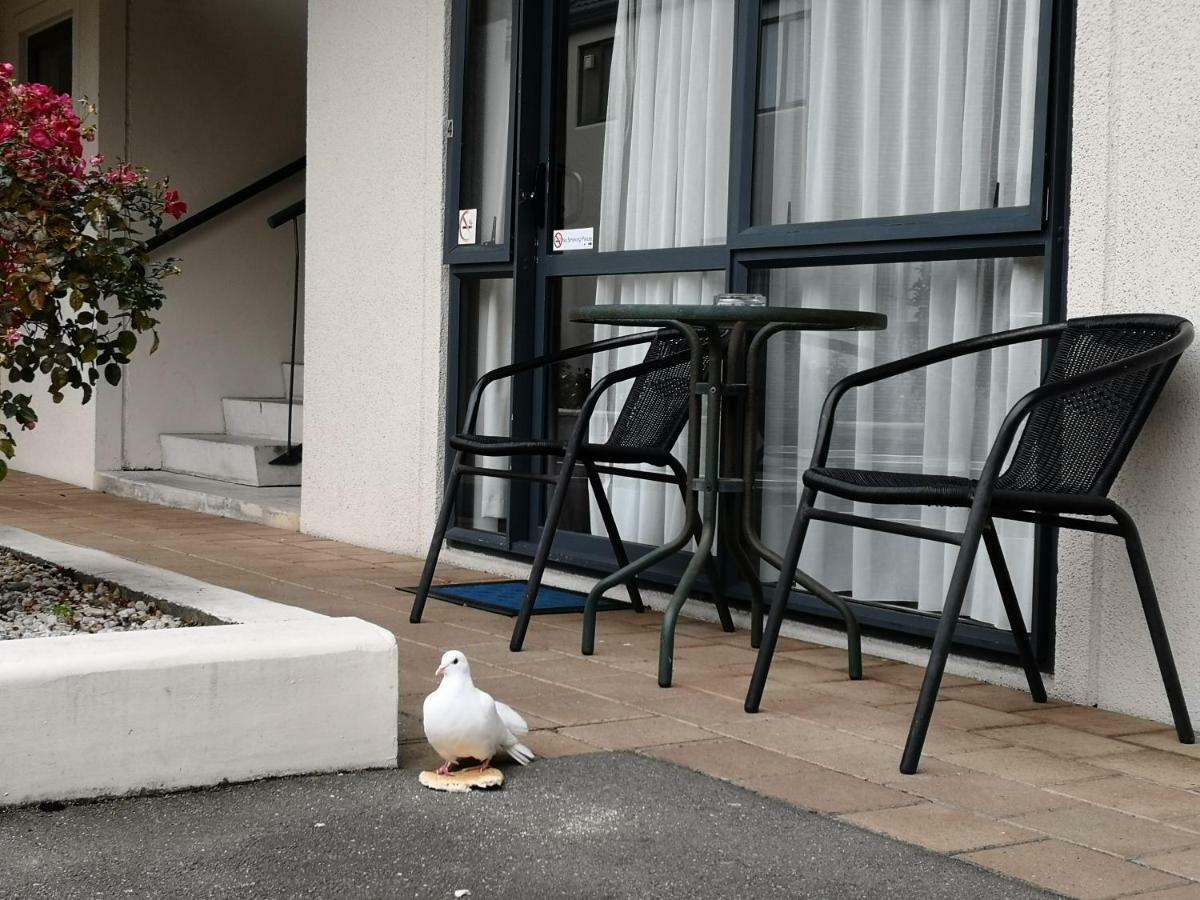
(77,285)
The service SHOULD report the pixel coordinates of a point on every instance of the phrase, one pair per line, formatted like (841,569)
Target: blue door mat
(504,597)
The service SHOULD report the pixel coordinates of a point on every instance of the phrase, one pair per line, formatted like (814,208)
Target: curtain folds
(664,184)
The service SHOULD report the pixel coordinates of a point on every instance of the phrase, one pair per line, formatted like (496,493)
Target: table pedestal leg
(639,565)
(666,646)
(710,481)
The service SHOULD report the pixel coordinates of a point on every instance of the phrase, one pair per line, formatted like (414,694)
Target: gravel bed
(38,599)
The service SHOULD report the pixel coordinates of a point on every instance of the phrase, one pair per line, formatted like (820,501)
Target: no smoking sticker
(565,239)
(466,225)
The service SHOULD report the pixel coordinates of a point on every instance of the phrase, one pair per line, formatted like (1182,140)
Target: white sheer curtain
(664,184)
(914,106)
(486,113)
(939,421)
(492,309)
(878,108)
(484,187)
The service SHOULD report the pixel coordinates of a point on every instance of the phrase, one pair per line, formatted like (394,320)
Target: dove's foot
(483,766)
(446,769)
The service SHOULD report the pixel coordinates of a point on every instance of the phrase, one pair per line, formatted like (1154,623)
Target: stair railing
(292,213)
(237,198)
(294,453)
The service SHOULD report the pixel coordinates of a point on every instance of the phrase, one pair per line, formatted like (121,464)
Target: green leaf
(126,342)
(112,374)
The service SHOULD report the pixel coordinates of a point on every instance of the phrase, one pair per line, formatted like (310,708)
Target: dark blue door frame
(1039,229)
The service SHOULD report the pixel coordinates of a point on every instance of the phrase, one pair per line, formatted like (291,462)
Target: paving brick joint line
(1074,800)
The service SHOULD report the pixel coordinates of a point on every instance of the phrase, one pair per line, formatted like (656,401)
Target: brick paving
(1080,801)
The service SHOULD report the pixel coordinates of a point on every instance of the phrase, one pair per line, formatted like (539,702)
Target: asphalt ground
(606,825)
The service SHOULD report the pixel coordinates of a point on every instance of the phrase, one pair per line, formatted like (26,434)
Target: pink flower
(40,139)
(6,70)
(7,129)
(12,337)
(173,206)
(123,174)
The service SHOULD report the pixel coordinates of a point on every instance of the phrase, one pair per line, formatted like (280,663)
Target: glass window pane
(646,512)
(939,421)
(48,56)
(487,90)
(645,140)
(488,310)
(870,109)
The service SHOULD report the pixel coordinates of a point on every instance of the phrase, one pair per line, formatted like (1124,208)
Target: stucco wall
(375,317)
(211,93)
(1133,237)
(216,101)
(66,445)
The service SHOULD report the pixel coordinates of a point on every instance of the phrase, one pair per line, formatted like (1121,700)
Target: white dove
(462,721)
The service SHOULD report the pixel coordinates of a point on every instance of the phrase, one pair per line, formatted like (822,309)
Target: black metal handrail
(287,214)
(295,452)
(224,205)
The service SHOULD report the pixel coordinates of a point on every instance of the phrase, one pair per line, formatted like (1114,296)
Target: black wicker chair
(650,421)
(1079,425)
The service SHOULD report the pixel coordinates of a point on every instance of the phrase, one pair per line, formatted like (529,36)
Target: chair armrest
(919,361)
(642,337)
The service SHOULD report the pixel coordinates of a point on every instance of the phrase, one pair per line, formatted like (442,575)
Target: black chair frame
(988,502)
(595,459)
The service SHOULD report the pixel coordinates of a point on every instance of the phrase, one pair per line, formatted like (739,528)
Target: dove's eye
(454,662)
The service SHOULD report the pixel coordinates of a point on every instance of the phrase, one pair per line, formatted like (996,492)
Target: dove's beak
(441,670)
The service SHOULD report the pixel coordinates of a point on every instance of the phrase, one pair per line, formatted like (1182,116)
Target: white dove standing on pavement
(462,721)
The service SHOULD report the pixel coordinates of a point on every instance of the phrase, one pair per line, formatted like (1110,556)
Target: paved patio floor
(603,825)
(1075,800)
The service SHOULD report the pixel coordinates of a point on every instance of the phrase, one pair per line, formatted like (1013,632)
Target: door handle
(535,191)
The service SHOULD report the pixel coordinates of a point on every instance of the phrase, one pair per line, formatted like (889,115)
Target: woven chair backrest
(1077,442)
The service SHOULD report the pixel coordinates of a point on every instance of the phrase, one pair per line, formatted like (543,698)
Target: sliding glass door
(905,157)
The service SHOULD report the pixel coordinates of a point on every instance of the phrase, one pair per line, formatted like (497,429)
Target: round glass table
(726,343)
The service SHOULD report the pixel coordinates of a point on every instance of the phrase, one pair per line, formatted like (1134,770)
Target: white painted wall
(1133,238)
(211,93)
(376,299)
(66,444)
(216,101)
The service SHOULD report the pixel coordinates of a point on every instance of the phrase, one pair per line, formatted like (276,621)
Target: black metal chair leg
(557,500)
(614,536)
(1158,630)
(435,546)
(943,639)
(1012,608)
(770,636)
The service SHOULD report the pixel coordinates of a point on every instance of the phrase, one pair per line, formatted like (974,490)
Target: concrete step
(263,417)
(236,458)
(299,394)
(278,507)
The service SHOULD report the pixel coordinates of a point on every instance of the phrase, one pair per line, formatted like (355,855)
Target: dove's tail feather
(520,753)
(512,719)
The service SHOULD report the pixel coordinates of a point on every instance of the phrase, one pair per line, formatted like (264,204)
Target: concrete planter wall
(278,691)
